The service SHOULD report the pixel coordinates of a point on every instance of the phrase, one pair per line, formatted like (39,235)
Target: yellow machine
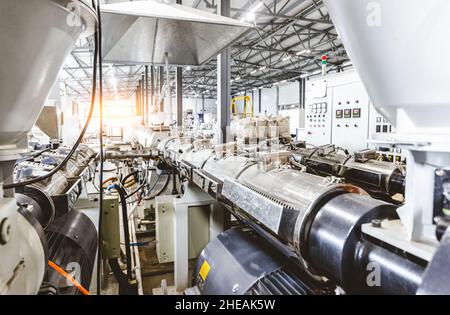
(247,102)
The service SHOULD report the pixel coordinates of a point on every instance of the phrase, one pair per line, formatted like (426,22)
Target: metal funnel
(144,31)
(35,36)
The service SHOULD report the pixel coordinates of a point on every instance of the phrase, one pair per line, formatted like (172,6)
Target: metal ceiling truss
(287,44)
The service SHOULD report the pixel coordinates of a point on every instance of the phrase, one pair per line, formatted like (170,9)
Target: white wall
(194,104)
(256,100)
(269,101)
(289,93)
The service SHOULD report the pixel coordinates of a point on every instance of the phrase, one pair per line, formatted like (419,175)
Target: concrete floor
(154,273)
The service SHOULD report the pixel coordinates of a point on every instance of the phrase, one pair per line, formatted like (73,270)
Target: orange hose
(129,183)
(68,277)
(109,180)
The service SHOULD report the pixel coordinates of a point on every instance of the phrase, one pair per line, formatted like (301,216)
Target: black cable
(144,184)
(39,153)
(110,171)
(32,156)
(93,179)
(148,192)
(174,183)
(345,151)
(166,184)
(136,191)
(126,230)
(124,286)
(100,217)
(123,181)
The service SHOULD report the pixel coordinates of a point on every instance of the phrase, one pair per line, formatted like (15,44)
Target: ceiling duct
(142,32)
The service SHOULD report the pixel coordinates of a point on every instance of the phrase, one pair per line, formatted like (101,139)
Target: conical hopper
(399,49)
(144,31)
(35,36)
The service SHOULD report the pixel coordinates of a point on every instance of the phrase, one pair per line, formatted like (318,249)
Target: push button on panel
(357,113)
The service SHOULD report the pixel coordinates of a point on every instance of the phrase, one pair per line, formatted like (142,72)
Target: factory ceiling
(287,43)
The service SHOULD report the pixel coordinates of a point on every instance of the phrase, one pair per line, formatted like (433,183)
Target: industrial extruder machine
(313,222)
(335,222)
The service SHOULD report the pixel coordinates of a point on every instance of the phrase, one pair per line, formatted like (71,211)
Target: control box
(379,125)
(339,112)
(318,113)
(351,107)
(379,129)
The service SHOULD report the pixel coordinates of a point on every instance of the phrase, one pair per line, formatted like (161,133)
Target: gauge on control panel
(348,113)
(357,113)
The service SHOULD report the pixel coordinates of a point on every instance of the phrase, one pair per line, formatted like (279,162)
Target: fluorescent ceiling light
(250,16)
(303,52)
(262,68)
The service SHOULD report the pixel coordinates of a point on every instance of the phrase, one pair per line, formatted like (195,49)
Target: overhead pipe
(146,96)
(169,90)
(179,79)
(138,100)
(161,85)
(152,86)
(143,99)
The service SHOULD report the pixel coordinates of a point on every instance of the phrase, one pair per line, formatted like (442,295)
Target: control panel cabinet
(318,113)
(351,107)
